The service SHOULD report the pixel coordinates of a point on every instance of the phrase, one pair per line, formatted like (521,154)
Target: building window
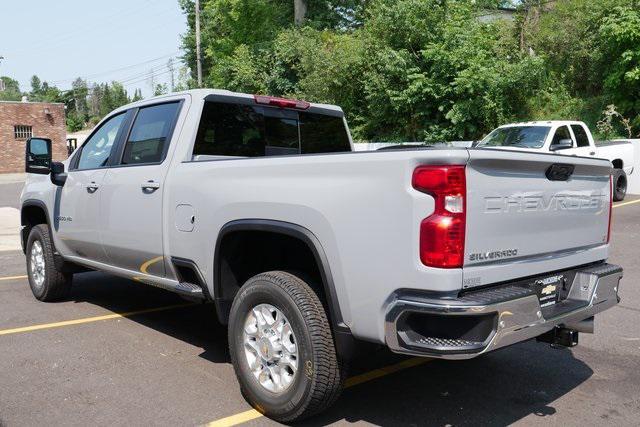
(22,132)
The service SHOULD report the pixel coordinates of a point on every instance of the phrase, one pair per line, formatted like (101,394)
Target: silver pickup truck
(307,249)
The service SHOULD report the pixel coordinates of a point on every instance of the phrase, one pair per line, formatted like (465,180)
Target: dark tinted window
(255,131)
(323,134)
(149,134)
(581,136)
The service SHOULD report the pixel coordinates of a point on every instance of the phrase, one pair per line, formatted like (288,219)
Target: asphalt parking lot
(121,353)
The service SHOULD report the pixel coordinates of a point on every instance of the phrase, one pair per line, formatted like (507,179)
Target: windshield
(516,136)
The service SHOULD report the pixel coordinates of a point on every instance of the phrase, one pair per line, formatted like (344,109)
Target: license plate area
(550,289)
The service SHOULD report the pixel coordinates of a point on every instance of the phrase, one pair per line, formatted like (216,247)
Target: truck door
(77,206)
(131,204)
(583,146)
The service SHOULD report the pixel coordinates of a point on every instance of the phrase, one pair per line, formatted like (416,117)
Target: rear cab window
(582,140)
(149,136)
(244,130)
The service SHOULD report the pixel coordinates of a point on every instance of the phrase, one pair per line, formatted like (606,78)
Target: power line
(55,38)
(90,76)
(147,78)
(146,73)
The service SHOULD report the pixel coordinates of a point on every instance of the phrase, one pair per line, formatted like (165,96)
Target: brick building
(21,120)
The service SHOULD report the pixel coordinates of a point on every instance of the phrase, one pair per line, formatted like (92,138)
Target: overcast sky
(59,40)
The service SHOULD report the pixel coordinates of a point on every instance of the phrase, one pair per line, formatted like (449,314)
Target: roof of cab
(545,123)
(203,93)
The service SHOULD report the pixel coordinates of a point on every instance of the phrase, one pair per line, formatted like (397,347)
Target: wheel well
(30,216)
(617,163)
(243,254)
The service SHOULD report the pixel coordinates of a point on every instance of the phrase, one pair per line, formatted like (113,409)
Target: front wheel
(46,282)
(282,349)
(619,185)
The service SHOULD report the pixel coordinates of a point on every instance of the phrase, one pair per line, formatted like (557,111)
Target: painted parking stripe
(618,205)
(91,319)
(12,278)
(252,414)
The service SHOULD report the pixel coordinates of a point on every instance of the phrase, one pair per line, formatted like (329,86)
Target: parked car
(569,138)
(308,250)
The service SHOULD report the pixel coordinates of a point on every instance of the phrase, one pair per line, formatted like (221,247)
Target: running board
(189,289)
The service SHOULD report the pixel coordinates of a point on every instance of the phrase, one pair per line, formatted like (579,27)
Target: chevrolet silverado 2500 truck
(569,138)
(306,248)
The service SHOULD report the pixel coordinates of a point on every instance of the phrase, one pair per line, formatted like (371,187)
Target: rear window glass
(257,131)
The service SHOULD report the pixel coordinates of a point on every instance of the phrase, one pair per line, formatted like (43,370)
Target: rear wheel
(282,348)
(46,282)
(619,185)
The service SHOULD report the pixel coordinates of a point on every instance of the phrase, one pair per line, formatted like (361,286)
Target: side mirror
(563,144)
(58,176)
(38,156)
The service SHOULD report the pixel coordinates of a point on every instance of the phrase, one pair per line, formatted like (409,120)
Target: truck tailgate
(526,217)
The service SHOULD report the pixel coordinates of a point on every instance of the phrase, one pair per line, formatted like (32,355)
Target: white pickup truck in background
(569,138)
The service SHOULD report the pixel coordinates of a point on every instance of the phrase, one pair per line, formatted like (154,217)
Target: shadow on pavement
(498,389)
(196,325)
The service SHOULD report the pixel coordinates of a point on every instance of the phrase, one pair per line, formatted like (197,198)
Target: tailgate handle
(559,172)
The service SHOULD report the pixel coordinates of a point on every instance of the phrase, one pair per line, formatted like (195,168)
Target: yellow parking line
(236,419)
(387,370)
(13,277)
(252,414)
(90,319)
(626,203)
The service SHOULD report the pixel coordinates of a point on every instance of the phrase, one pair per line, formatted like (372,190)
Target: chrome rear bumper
(485,320)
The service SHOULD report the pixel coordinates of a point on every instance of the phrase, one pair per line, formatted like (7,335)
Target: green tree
(427,69)
(11,90)
(619,36)
(137,95)
(160,89)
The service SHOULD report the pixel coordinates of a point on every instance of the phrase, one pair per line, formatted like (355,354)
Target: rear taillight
(281,102)
(442,233)
(610,206)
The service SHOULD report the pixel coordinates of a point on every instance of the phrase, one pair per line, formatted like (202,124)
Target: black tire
(56,285)
(319,378)
(619,185)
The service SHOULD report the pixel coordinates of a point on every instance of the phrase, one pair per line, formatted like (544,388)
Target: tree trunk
(299,11)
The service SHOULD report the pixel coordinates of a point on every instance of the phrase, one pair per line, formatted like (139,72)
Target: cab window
(97,149)
(582,140)
(149,136)
(561,133)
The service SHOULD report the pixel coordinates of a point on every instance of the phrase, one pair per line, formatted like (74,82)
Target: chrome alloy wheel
(270,347)
(37,265)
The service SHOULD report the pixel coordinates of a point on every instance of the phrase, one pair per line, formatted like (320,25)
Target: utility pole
(198,54)
(2,88)
(299,11)
(171,74)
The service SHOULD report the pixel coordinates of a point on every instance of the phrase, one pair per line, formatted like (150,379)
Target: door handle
(150,186)
(593,153)
(93,187)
